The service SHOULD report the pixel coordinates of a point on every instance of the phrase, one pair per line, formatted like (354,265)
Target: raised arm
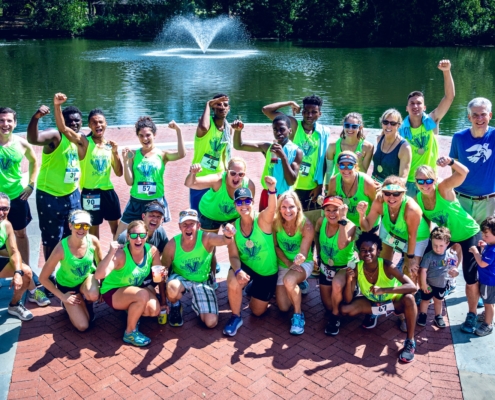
(367,221)
(346,233)
(128,164)
(202,182)
(33,168)
(115,259)
(271,111)
(204,121)
(47,137)
(448,83)
(253,147)
(211,240)
(181,148)
(267,216)
(117,165)
(459,174)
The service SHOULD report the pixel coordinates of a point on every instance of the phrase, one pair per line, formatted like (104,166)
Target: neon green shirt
(209,151)
(399,229)
(382,281)
(329,248)
(291,245)
(338,150)
(148,177)
(424,148)
(96,167)
(10,168)
(73,271)
(309,145)
(193,265)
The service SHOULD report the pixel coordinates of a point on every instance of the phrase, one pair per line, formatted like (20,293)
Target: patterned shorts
(204,298)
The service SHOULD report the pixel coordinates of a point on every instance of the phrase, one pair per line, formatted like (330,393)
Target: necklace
(379,167)
(348,195)
(289,230)
(368,277)
(249,242)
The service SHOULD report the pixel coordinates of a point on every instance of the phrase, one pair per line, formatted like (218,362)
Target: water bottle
(162,318)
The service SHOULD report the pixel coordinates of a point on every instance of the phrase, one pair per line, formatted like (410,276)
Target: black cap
(345,157)
(155,206)
(241,193)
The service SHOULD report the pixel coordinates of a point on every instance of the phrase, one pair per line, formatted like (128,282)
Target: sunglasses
(428,181)
(189,213)
(343,166)
(241,174)
(135,235)
(347,125)
(4,209)
(240,202)
(79,226)
(391,123)
(395,194)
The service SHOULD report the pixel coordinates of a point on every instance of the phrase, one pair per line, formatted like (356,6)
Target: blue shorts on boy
(487,275)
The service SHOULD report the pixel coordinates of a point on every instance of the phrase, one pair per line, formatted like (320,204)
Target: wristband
(451,162)
(236,272)
(274,192)
(31,186)
(227,237)
(410,256)
(19,271)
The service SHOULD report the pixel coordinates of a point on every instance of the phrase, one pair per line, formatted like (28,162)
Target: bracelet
(451,162)
(31,186)
(274,192)
(236,272)
(410,256)
(19,271)
(227,237)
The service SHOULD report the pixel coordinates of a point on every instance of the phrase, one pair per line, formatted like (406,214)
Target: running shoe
(234,323)
(175,317)
(20,312)
(136,338)
(484,329)
(480,303)
(469,325)
(304,286)
(369,321)
(38,297)
(297,324)
(422,319)
(407,353)
(439,321)
(481,317)
(333,325)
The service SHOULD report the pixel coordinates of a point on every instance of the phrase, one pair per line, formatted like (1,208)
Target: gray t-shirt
(437,269)
(158,239)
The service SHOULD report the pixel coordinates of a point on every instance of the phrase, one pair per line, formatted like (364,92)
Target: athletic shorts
(195,197)
(438,293)
(487,294)
(101,204)
(419,250)
(65,289)
(3,262)
(263,287)
(204,298)
(134,210)
(210,225)
(107,297)
(53,213)
(282,271)
(305,198)
(327,273)
(19,214)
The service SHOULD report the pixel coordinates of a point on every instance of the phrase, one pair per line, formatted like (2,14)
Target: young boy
(437,267)
(486,273)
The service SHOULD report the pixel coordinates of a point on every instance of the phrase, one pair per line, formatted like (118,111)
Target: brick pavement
(262,361)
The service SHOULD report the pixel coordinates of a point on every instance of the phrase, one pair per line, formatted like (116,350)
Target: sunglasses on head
(135,235)
(79,226)
(347,125)
(241,174)
(395,194)
(189,213)
(391,123)
(240,202)
(4,209)
(348,166)
(428,181)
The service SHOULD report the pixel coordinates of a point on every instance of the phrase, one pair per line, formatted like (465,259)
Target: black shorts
(3,262)
(438,293)
(66,289)
(326,277)
(134,209)
(469,264)
(109,208)
(305,198)
(19,214)
(53,215)
(208,224)
(263,287)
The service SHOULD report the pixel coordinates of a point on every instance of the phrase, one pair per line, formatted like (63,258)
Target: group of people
(319,212)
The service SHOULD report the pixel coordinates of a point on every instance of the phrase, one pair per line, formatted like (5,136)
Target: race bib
(328,272)
(148,188)
(304,169)
(383,308)
(210,162)
(91,202)
(72,175)
(396,243)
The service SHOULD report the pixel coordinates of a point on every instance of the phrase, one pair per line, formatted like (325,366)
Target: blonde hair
(73,214)
(394,180)
(427,171)
(359,117)
(279,220)
(134,224)
(394,113)
(234,160)
(351,153)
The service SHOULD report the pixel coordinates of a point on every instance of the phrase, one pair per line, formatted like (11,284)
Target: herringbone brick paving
(263,361)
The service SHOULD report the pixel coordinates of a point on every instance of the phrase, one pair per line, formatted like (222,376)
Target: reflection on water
(131,78)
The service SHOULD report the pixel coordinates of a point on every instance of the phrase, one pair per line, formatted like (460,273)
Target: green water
(126,79)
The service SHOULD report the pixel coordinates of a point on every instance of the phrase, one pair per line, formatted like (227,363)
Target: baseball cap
(332,200)
(188,215)
(346,158)
(242,192)
(81,218)
(154,206)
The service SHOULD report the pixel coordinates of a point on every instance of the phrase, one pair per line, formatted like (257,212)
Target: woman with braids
(124,270)
(351,139)
(78,255)
(144,169)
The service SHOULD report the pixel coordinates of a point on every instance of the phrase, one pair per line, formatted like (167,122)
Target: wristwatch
(342,222)
(410,256)
(19,271)
(451,162)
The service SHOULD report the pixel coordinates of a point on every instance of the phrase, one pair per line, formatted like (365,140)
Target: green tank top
(209,151)
(219,206)
(309,145)
(399,229)
(383,281)
(3,234)
(424,148)
(451,215)
(60,170)
(148,177)
(10,168)
(260,256)
(193,265)
(130,274)
(73,271)
(353,201)
(329,248)
(96,167)
(291,245)
(338,150)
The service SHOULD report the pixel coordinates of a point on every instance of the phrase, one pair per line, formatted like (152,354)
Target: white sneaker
(20,312)
(39,297)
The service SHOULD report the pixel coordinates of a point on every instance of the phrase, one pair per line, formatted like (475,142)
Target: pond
(132,78)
